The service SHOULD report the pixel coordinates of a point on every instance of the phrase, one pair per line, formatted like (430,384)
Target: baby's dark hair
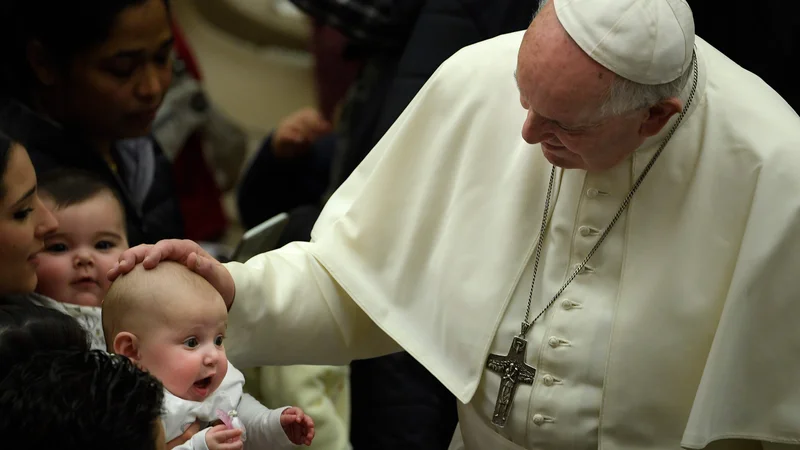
(67,187)
(27,328)
(80,399)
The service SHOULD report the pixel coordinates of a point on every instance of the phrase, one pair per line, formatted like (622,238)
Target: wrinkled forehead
(555,76)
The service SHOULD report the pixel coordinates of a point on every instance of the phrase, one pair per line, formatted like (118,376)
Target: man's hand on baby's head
(221,437)
(185,252)
(298,426)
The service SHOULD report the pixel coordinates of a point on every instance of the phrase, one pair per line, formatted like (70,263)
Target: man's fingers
(150,255)
(153,257)
(204,267)
(128,260)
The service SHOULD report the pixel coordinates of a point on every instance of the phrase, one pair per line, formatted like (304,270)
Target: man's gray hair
(624,95)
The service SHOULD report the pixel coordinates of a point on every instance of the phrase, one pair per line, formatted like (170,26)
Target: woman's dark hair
(64,28)
(27,328)
(5,153)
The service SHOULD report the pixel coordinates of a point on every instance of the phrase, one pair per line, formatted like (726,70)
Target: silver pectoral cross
(513,370)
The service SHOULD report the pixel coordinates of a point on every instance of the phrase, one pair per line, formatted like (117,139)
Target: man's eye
(191,342)
(569,130)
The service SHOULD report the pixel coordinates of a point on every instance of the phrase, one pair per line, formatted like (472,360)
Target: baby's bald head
(142,299)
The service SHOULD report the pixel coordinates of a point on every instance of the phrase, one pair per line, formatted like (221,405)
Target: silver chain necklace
(512,367)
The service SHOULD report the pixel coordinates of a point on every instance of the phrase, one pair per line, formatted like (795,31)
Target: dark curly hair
(27,328)
(63,28)
(80,399)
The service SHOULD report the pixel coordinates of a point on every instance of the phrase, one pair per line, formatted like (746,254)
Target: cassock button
(538,419)
(548,380)
(592,193)
(567,304)
(585,231)
(553,342)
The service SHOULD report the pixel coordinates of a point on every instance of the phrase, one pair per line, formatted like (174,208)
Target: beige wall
(256,84)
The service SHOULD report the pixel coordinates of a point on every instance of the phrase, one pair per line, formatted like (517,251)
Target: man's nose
(535,129)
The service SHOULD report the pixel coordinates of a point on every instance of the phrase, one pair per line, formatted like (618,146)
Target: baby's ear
(127,345)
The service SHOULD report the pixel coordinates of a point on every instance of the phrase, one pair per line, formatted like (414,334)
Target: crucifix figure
(513,370)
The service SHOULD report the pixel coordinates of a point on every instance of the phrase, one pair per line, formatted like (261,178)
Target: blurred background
(256,64)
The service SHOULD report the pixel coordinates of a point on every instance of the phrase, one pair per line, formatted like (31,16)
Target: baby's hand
(222,438)
(298,426)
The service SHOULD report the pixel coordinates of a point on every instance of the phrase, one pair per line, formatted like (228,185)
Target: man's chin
(562,161)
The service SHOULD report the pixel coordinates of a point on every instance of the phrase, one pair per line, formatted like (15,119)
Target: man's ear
(127,345)
(41,63)
(659,115)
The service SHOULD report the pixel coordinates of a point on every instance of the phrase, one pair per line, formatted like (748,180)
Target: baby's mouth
(203,384)
(85,281)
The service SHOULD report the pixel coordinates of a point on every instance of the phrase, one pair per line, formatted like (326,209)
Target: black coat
(144,177)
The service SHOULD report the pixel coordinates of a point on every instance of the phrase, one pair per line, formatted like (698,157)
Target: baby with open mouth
(172,323)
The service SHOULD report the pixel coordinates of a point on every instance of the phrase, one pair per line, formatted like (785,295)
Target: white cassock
(681,332)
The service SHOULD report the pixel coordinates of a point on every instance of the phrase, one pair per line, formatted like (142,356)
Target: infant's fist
(222,438)
(298,426)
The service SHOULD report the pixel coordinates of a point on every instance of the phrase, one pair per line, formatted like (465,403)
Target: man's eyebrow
(568,127)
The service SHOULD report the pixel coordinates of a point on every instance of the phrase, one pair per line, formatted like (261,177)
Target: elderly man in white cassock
(622,275)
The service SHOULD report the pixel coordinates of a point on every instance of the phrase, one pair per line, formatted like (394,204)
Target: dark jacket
(144,177)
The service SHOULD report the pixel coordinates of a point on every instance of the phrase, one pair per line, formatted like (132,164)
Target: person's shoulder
(479,77)
(483,61)
(747,113)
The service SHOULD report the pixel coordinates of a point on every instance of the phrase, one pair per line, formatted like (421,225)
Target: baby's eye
(104,245)
(56,248)
(218,340)
(191,342)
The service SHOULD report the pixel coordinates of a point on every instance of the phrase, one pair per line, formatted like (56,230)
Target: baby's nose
(211,358)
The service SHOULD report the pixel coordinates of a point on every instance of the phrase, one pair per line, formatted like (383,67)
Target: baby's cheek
(52,279)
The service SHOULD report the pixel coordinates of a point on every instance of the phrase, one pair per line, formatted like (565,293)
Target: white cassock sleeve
(289,310)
